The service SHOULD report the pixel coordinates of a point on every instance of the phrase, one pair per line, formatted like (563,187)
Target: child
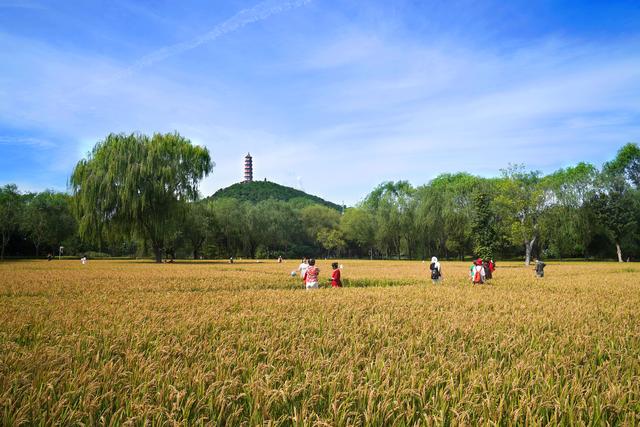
(311,275)
(477,273)
(335,276)
(436,271)
(83,260)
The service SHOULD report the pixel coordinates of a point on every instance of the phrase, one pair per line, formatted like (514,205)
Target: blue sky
(329,96)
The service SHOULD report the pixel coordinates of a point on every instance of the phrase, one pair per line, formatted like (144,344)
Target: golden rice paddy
(127,342)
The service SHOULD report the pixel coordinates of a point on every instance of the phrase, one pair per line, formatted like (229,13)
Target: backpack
(477,277)
(435,273)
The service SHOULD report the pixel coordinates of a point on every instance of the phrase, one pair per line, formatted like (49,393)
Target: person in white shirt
(478,273)
(303,267)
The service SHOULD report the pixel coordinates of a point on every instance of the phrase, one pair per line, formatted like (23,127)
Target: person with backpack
(540,268)
(436,271)
(478,273)
(311,275)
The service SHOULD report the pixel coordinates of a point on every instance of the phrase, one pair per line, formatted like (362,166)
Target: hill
(258,191)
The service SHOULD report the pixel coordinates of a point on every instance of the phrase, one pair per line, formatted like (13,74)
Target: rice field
(212,343)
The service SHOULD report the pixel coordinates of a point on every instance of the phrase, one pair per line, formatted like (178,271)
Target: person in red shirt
(335,276)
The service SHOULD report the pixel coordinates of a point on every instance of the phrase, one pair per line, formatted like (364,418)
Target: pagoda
(248,168)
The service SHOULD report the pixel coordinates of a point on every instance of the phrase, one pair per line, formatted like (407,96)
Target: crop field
(132,342)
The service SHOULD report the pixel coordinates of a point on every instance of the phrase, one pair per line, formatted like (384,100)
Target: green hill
(258,191)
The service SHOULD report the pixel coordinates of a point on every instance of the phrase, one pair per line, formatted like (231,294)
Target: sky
(329,96)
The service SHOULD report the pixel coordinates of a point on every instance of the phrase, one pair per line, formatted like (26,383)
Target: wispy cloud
(259,12)
(26,141)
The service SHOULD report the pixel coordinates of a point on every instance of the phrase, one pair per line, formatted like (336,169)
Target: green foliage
(520,202)
(358,228)
(444,213)
(10,212)
(136,193)
(617,211)
(482,226)
(568,225)
(48,220)
(332,240)
(258,191)
(135,185)
(392,205)
(316,218)
(627,164)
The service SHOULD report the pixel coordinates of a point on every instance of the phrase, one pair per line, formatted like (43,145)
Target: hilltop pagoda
(248,168)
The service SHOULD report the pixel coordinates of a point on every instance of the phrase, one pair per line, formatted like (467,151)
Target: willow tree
(136,186)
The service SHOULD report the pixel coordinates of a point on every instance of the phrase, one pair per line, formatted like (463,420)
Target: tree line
(136,195)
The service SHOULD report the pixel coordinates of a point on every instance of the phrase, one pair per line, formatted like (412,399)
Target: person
(335,276)
(280,260)
(492,265)
(487,269)
(436,271)
(303,267)
(230,260)
(478,273)
(540,268)
(311,275)
(83,260)
(49,256)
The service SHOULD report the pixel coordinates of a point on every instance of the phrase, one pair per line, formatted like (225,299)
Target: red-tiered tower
(248,168)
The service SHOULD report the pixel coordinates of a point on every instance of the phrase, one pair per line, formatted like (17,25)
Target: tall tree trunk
(528,246)
(619,251)
(5,241)
(157,251)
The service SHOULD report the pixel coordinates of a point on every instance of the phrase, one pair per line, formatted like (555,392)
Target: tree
(626,164)
(483,226)
(446,212)
(48,219)
(276,225)
(567,222)
(358,227)
(10,212)
(615,211)
(136,185)
(332,240)
(317,218)
(196,225)
(521,204)
(391,203)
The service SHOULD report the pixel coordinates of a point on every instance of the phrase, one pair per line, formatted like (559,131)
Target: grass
(118,342)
